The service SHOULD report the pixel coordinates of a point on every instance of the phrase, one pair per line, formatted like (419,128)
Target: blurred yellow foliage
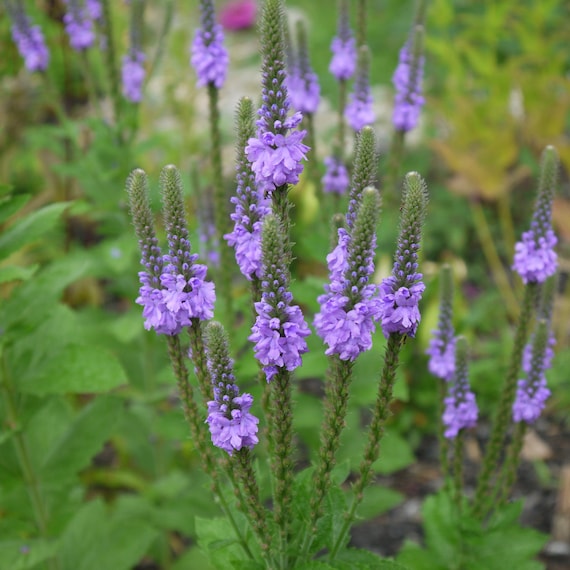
(500,84)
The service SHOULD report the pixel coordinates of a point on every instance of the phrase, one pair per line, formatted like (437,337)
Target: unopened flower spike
(359,112)
(209,57)
(407,80)
(535,259)
(364,171)
(186,292)
(461,410)
(303,83)
(402,291)
(350,307)
(133,72)
(279,331)
(29,39)
(277,152)
(231,424)
(343,46)
(79,25)
(250,205)
(442,345)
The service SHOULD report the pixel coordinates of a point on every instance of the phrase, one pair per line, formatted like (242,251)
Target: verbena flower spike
(231,424)
(401,292)
(133,72)
(351,306)
(279,331)
(359,112)
(461,410)
(442,345)
(335,179)
(29,39)
(407,80)
(535,259)
(302,82)
(79,25)
(250,205)
(343,46)
(276,154)
(209,57)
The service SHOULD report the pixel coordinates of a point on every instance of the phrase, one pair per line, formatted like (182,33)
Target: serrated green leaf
(217,539)
(9,205)
(364,560)
(30,228)
(14,273)
(82,440)
(76,369)
(25,554)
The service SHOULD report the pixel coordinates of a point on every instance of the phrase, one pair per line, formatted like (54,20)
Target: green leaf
(14,273)
(30,228)
(9,205)
(25,554)
(364,559)
(395,453)
(76,369)
(93,540)
(82,440)
(378,500)
(217,539)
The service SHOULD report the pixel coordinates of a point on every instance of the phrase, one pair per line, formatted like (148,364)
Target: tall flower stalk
(399,320)
(210,59)
(133,71)
(359,111)
(276,152)
(535,261)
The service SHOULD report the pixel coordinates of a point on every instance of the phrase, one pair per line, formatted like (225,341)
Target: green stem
(375,434)
(443,441)
(23,454)
(458,469)
(199,359)
(199,436)
(503,416)
(395,161)
(509,471)
(111,65)
(282,463)
(221,213)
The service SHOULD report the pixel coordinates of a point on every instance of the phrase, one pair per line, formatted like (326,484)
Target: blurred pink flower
(238,14)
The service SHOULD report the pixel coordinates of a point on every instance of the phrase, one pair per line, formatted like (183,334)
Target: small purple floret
(79,26)
(359,112)
(31,43)
(530,400)
(442,357)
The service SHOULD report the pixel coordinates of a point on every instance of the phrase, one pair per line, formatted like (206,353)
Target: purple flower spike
(401,293)
(535,259)
(78,25)
(29,40)
(336,178)
(209,57)
(530,400)
(303,83)
(407,80)
(231,424)
(133,75)
(276,159)
(359,111)
(442,345)
(350,306)
(460,412)
(279,331)
(343,47)
(460,408)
